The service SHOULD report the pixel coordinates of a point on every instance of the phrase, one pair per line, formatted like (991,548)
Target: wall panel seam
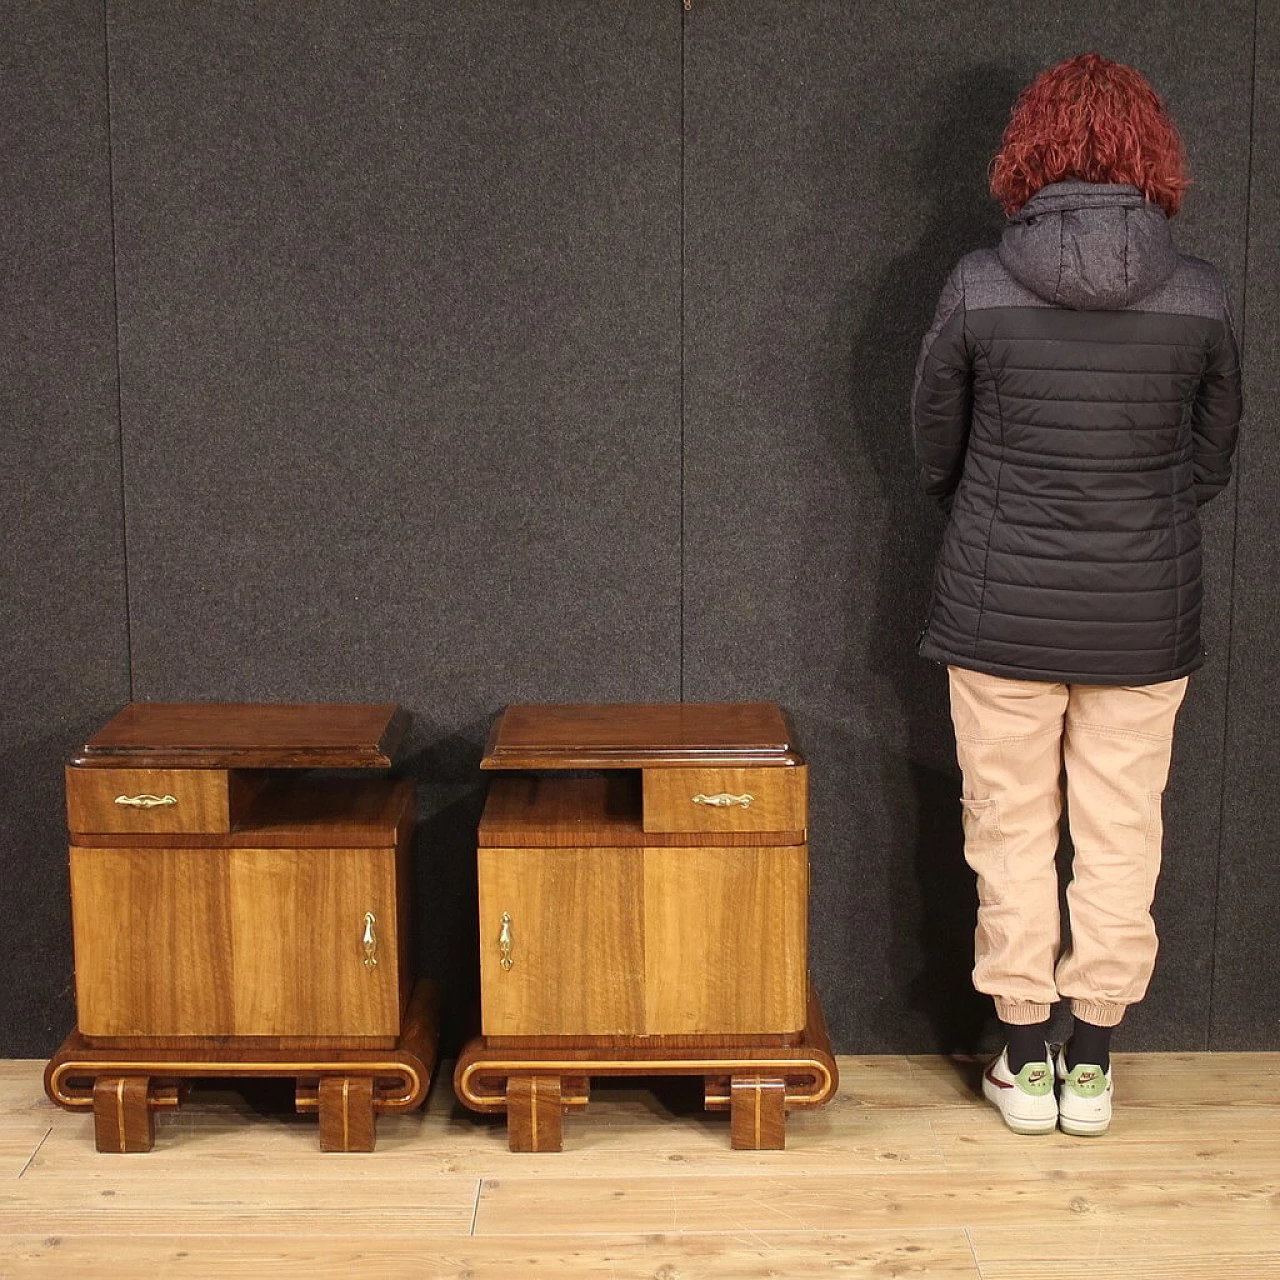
(683,142)
(115,316)
(1224,779)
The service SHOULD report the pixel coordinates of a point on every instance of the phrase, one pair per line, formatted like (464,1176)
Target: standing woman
(1076,401)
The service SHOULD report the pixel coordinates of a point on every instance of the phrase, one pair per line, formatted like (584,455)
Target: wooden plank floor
(904,1174)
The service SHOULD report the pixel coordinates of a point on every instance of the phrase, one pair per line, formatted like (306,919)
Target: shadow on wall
(445,768)
(933,898)
(35,948)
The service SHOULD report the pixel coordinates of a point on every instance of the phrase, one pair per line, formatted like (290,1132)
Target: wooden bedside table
(234,917)
(645,918)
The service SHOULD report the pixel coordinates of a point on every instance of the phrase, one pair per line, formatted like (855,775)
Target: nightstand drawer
(726,800)
(169,801)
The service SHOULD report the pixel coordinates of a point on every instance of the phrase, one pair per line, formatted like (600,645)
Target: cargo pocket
(984,848)
(1154,842)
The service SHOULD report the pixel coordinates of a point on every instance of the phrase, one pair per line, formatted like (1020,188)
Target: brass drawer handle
(723,800)
(504,942)
(146,802)
(369,940)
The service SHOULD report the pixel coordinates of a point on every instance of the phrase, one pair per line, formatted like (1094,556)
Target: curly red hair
(1095,121)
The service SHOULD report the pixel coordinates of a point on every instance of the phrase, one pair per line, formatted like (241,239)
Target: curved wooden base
(347,1087)
(536,1083)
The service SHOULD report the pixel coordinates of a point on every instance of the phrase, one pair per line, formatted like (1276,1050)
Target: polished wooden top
(248,735)
(630,736)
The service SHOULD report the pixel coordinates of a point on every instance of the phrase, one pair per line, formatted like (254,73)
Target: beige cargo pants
(1013,738)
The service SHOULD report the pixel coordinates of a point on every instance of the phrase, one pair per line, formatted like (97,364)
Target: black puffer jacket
(1076,399)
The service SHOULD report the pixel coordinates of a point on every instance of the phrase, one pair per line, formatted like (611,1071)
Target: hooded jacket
(1076,399)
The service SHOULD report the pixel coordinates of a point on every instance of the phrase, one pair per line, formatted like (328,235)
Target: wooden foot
(122,1117)
(535,1113)
(575,1091)
(758,1114)
(346,1113)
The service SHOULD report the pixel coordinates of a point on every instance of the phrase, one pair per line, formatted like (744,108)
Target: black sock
(1026,1043)
(1089,1044)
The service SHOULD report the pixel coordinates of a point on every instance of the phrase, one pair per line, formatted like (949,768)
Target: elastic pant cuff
(1102,1013)
(1022,1013)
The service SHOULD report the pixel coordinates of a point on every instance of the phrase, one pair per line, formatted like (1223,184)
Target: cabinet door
(299,924)
(153,941)
(227,942)
(576,944)
(725,940)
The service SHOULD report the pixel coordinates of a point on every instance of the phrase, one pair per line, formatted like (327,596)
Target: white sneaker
(1026,1100)
(1084,1098)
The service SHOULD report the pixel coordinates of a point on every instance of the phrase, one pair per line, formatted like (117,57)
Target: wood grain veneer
(298,916)
(726,941)
(653,942)
(577,941)
(153,941)
(547,810)
(234,942)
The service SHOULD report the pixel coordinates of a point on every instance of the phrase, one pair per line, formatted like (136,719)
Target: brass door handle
(504,942)
(146,802)
(723,800)
(369,940)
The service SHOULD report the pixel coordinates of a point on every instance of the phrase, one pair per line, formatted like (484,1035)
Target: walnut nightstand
(644,887)
(236,915)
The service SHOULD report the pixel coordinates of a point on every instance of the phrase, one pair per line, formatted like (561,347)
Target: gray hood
(1089,246)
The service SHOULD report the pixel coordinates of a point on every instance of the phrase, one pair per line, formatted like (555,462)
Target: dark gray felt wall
(1246,978)
(65,662)
(557,351)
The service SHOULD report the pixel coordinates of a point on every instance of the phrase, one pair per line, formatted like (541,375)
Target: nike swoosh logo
(1001,1083)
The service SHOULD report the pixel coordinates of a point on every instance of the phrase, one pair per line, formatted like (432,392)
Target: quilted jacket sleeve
(1215,416)
(943,395)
